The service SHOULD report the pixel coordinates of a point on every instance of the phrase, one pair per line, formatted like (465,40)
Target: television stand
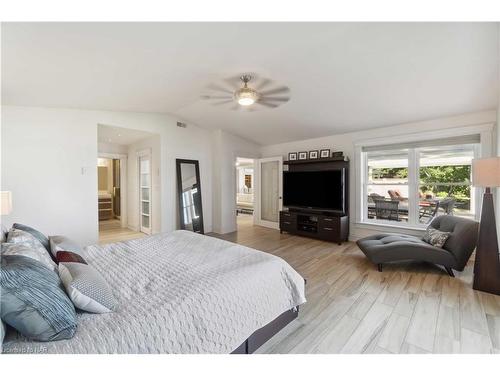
(333,228)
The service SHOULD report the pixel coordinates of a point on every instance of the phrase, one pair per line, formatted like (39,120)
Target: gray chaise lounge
(393,247)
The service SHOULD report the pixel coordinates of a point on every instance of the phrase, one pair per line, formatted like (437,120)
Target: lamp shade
(5,202)
(486,172)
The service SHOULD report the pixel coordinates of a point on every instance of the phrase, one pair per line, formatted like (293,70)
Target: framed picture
(303,155)
(337,154)
(313,154)
(292,156)
(323,154)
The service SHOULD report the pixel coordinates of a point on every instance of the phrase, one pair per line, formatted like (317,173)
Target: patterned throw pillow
(35,233)
(86,288)
(33,300)
(65,250)
(26,250)
(435,237)
(84,285)
(36,250)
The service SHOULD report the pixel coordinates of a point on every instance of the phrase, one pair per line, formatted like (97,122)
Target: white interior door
(145,191)
(269,184)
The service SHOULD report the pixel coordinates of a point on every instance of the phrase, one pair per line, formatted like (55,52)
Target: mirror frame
(196,164)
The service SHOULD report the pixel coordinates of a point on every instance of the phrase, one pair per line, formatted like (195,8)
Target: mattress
(178,293)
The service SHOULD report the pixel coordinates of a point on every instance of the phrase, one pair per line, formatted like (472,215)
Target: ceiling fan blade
(278,90)
(209,97)
(215,87)
(265,104)
(274,99)
(263,84)
(223,102)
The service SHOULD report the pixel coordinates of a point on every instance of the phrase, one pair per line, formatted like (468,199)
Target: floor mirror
(189,195)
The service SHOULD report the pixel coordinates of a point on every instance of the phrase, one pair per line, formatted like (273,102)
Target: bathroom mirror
(189,195)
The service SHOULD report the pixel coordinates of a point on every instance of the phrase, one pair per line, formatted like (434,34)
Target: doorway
(129,183)
(269,189)
(245,187)
(108,181)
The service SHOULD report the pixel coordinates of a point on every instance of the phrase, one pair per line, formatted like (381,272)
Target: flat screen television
(316,190)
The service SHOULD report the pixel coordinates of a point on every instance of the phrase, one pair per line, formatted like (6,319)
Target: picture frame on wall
(292,156)
(303,155)
(314,154)
(325,153)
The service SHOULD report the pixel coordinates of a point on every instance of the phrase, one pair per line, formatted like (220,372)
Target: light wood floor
(353,308)
(111,231)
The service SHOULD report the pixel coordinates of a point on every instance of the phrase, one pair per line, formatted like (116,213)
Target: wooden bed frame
(262,335)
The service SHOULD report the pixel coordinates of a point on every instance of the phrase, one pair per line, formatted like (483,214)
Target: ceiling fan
(246,97)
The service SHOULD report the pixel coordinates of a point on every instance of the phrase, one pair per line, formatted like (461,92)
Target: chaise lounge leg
(379,267)
(450,271)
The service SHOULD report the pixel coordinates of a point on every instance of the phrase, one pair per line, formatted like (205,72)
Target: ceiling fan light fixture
(246,96)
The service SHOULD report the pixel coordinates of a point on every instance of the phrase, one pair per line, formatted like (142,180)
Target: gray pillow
(435,237)
(3,234)
(62,243)
(24,249)
(33,301)
(20,237)
(2,333)
(38,235)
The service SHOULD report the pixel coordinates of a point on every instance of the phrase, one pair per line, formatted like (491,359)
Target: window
(387,174)
(411,183)
(445,180)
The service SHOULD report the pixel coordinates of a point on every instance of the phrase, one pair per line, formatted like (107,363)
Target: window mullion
(413,179)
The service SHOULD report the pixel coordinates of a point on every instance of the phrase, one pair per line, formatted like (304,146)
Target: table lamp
(5,202)
(486,173)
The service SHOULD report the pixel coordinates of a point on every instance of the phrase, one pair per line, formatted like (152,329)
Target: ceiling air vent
(181,124)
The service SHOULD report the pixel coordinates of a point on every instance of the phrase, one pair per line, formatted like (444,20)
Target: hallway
(111,231)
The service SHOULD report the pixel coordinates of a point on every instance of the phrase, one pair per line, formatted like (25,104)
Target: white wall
(49,164)
(226,148)
(111,148)
(345,143)
(154,145)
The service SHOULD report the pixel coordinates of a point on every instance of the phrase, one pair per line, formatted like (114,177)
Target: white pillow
(86,288)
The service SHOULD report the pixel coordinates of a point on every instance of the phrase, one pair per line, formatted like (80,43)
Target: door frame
(257,197)
(145,152)
(123,183)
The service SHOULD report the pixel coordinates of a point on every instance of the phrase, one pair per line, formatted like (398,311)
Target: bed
(182,293)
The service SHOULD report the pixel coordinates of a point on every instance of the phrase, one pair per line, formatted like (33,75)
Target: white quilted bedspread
(179,293)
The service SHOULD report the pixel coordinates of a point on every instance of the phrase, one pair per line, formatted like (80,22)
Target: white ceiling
(343,76)
(121,136)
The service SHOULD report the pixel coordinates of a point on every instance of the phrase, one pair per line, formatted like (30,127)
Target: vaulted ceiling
(342,76)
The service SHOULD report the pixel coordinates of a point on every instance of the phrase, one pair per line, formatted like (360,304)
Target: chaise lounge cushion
(463,237)
(392,247)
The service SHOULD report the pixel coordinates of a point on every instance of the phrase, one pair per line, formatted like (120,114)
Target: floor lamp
(486,173)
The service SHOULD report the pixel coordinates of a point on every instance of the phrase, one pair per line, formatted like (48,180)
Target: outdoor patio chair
(387,209)
(447,205)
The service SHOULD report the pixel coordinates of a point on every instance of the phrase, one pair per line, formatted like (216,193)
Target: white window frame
(484,149)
